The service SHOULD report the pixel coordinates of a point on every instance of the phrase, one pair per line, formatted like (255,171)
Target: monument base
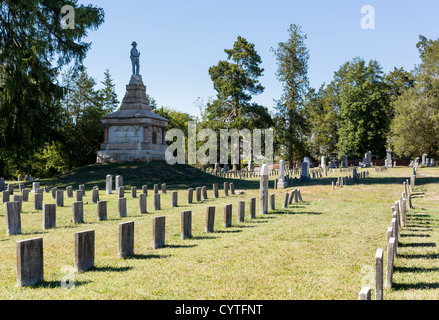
(282,184)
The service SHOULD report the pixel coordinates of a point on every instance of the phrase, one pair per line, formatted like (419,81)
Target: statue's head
(134,44)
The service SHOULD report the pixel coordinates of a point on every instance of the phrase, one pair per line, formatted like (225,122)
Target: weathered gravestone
(142,203)
(263,190)
(78,212)
(227,216)
(186,225)
(126,240)
(13,218)
(30,264)
(84,250)
(49,216)
(38,201)
(102,210)
(158,232)
(210,219)
(122,207)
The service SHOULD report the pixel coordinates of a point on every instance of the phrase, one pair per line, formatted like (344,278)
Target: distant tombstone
(157,205)
(190,195)
(204,192)
(82,188)
(227,223)
(54,190)
(142,203)
(118,182)
(11,188)
(389,159)
(84,250)
(13,218)
(215,190)
(30,265)
(156,188)
(95,195)
(102,210)
(79,195)
(186,225)
(60,198)
(304,176)
(122,207)
(25,194)
(19,200)
(210,219)
(38,201)
(281,183)
(2,185)
(174,199)
(78,212)
(252,208)
(5,196)
(163,188)
(286,200)
(424,159)
(241,211)
(121,192)
(69,191)
(126,240)
(263,190)
(226,189)
(145,190)
(345,161)
(198,194)
(158,232)
(133,192)
(49,216)
(109,184)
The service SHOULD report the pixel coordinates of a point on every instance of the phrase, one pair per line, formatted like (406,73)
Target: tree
(236,82)
(292,126)
(364,108)
(415,127)
(108,94)
(34,48)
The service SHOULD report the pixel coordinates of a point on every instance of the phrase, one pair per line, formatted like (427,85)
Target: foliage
(292,126)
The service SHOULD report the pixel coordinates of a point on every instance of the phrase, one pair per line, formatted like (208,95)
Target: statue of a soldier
(135,54)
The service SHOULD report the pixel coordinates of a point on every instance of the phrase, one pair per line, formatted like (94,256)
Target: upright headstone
(11,188)
(122,207)
(157,205)
(345,161)
(38,201)
(190,195)
(304,176)
(142,203)
(145,190)
(126,239)
(118,182)
(5,196)
(156,188)
(174,199)
(365,294)
(164,188)
(133,192)
(69,191)
(121,192)
(226,189)
(198,194)
(263,190)
(252,208)
(210,219)
(49,216)
(2,185)
(102,210)
(379,276)
(78,212)
(215,190)
(186,225)
(13,218)
(95,195)
(390,260)
(78,195)
(241,211)
(19,199)
(281,183)
(204,192)
(227,216)
(389,159)
(109,184)
(30,264)
(84,250)
(25,194)
(158,232)
(60,198)
(272,202)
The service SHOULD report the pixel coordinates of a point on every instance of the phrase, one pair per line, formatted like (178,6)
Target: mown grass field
(320,249)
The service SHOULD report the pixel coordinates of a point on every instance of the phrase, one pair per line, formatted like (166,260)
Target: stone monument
(282,183)
(134,132)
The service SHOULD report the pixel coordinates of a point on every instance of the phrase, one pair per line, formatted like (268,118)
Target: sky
(180,40)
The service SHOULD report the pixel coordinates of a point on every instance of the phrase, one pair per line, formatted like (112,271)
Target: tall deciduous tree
(34,46)
(291,124)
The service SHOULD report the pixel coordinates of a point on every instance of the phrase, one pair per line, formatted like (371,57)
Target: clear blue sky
(180,40)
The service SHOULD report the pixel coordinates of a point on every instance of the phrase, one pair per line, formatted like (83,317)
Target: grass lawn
(322,248)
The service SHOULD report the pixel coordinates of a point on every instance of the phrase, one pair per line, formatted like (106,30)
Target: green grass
(323,248)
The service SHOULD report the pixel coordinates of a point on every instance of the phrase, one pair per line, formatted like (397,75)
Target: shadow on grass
(148,256)
(416,245)
(415,269)
(178,246)
(418,256)
(419,286)
(56,284)
(109,269)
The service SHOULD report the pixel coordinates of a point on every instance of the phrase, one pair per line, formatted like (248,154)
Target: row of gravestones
(399,216)
(348,180)
(30,252)
(30,260)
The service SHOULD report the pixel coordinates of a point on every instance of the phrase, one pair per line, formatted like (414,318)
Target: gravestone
(272,202)
(263,190)
(145,190)
(69,191)
(133,192)
(54,190)
(252,208)
(77,212)
(390,260)
(365,294)
(118,182)
(30,264)
(210,219)
(304,176)
(379,276)
(13,218)
(344,163)
(2,185)
(281,183)
(82,188)
(204,192)
(79,195)
(121,192)
(227,223)
(109,184)
(38,201)
(126,240)
(60,198)
(156,188)
(122,207)
(49,216)
(190,195)
(25,194)
(84,250)
(19,200)
(174,199)
(186,225)
(102,210)
(95,195)
(11,188)
(226,189)
(164,188)
(389,159)
(142,203)
(215,190)
(5,196)
(241,211)
(198,194)
(286,200)
(158,232)
(157,205)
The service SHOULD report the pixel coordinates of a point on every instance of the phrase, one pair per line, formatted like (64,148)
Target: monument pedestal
(134,133)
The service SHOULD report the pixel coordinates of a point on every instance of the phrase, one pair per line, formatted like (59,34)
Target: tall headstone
(126,239)
(252,208)
(118,182)
(109,184)
(84,250)
(142,203)
(13,218)
(227,222)
(282,183)
(263,190)
(389,159)
(49,216)
(186,225)
(38,201)
(304,176)
(345,161)
(210,219)
(158,232)
(2,185)
(78,212)
(30,264)
(102,210)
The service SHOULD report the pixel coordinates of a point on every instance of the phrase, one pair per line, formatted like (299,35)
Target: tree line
(51,110)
